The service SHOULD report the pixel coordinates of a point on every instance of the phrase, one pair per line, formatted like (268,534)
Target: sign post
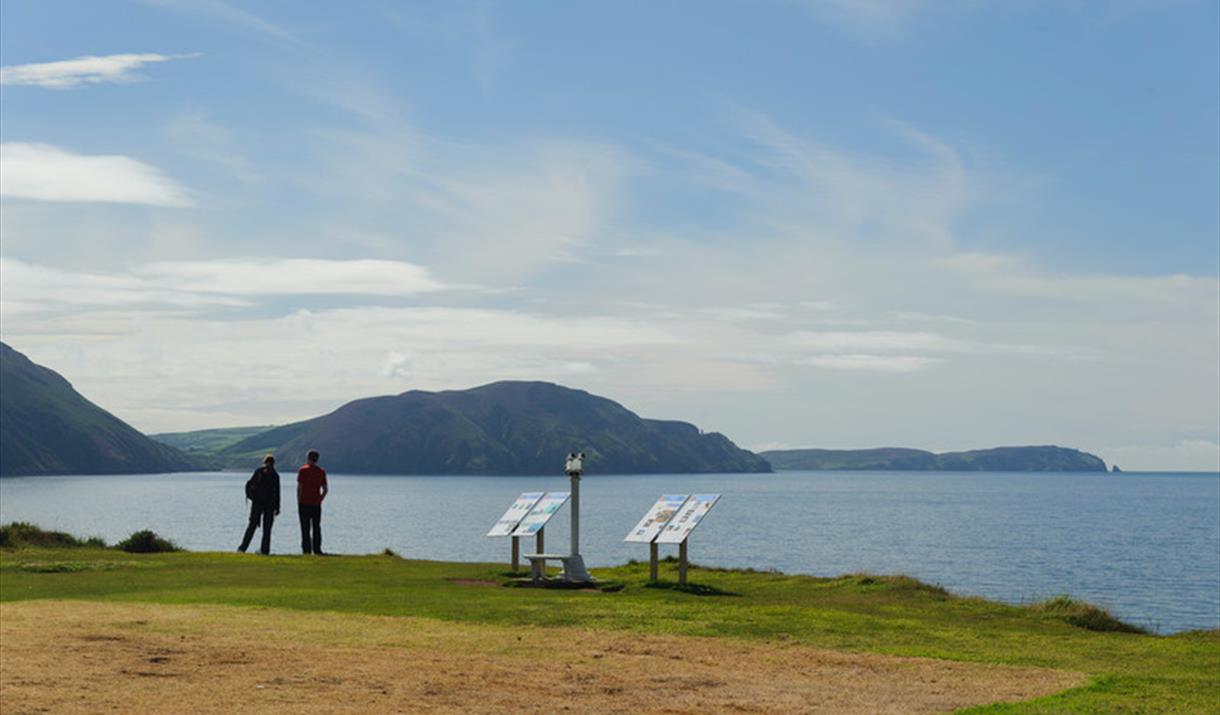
(534,524)
(679,527)
(508,524)
(653,523)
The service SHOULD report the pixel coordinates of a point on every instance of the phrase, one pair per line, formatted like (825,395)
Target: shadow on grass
(561,585)
(695,589)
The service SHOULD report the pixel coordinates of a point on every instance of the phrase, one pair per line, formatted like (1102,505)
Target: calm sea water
(1147,546)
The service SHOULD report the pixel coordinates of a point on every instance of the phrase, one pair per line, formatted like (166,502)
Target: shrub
(146,542)
(1084,615)
(20,533)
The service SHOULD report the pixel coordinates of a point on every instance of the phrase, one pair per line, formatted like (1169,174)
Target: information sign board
(656,518)
(688,517)
(515,514)
(541,513)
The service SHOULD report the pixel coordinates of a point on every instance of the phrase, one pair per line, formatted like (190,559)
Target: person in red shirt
(311,490)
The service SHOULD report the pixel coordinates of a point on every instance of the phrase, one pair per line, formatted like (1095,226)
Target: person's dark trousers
(258,513)
(311,528)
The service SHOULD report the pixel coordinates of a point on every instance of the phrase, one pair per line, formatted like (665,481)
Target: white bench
(538,563)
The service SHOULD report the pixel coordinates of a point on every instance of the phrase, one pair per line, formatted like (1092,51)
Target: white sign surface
(688,517)
(541,513)
(656,518)
(515,514)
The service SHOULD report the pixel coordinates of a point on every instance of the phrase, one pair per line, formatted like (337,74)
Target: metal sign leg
(652,561)
(682,564)
(516,553)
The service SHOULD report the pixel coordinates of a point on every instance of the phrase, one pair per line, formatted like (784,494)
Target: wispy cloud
(43,172)
(1005,274)
(295,276)
(872,363)
(196,136)
(231,14)
(492,214)
(199,284)
(90,69)
(876,16)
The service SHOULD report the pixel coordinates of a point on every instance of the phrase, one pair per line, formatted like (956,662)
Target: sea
(1144,545)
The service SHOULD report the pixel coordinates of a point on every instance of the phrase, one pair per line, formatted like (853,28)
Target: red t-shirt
(310,480)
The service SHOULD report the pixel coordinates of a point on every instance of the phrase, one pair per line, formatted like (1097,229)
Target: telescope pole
(575,513)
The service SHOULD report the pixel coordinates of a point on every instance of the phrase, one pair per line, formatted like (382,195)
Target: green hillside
(208,441)
(501,428)
(47,427)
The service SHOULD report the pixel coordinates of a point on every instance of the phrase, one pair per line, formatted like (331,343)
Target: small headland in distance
(144,631)
(1048,458)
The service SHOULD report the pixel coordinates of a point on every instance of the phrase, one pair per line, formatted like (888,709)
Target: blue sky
(943,225)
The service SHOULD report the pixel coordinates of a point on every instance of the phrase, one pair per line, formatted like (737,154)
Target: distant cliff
(47,427)
(998,459)
(501,428)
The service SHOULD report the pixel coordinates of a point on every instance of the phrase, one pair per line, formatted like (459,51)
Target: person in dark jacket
(264,503)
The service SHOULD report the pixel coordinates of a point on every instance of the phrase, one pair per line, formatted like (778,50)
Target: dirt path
(75,657)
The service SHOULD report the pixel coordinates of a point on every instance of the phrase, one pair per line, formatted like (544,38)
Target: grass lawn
(1126,672)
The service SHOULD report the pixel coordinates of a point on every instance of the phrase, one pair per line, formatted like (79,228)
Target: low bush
(20,533)
(146,542)
(1084,615)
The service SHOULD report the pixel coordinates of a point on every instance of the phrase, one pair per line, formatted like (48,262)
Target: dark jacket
(267,488)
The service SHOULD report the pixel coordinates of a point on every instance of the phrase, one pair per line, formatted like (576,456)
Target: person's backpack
(252,486)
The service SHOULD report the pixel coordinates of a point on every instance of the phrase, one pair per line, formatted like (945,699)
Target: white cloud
(31,288)
(48,173)
(873,363)
(492,214)
(397,365)
(200,284)
(1004,274)
(90,69)
(870,341)
(291,276)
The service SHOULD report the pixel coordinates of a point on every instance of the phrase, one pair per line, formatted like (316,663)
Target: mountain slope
(46,427)
(998,459)
(501,428)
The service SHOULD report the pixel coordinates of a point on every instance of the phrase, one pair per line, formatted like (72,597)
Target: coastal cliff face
(47,427)
(999,459)
(501,428)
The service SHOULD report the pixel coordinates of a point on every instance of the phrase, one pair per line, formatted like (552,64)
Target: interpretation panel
(515,513)
(687,518)
(656,518)
(541,513)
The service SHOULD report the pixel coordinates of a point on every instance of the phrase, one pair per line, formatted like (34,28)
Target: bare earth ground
(75,657)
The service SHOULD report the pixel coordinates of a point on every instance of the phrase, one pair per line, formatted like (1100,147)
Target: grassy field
(1125,672)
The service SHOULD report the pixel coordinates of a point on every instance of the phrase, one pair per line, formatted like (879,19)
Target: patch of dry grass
(68,657)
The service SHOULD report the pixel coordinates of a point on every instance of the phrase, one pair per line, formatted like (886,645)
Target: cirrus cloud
(90,69)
